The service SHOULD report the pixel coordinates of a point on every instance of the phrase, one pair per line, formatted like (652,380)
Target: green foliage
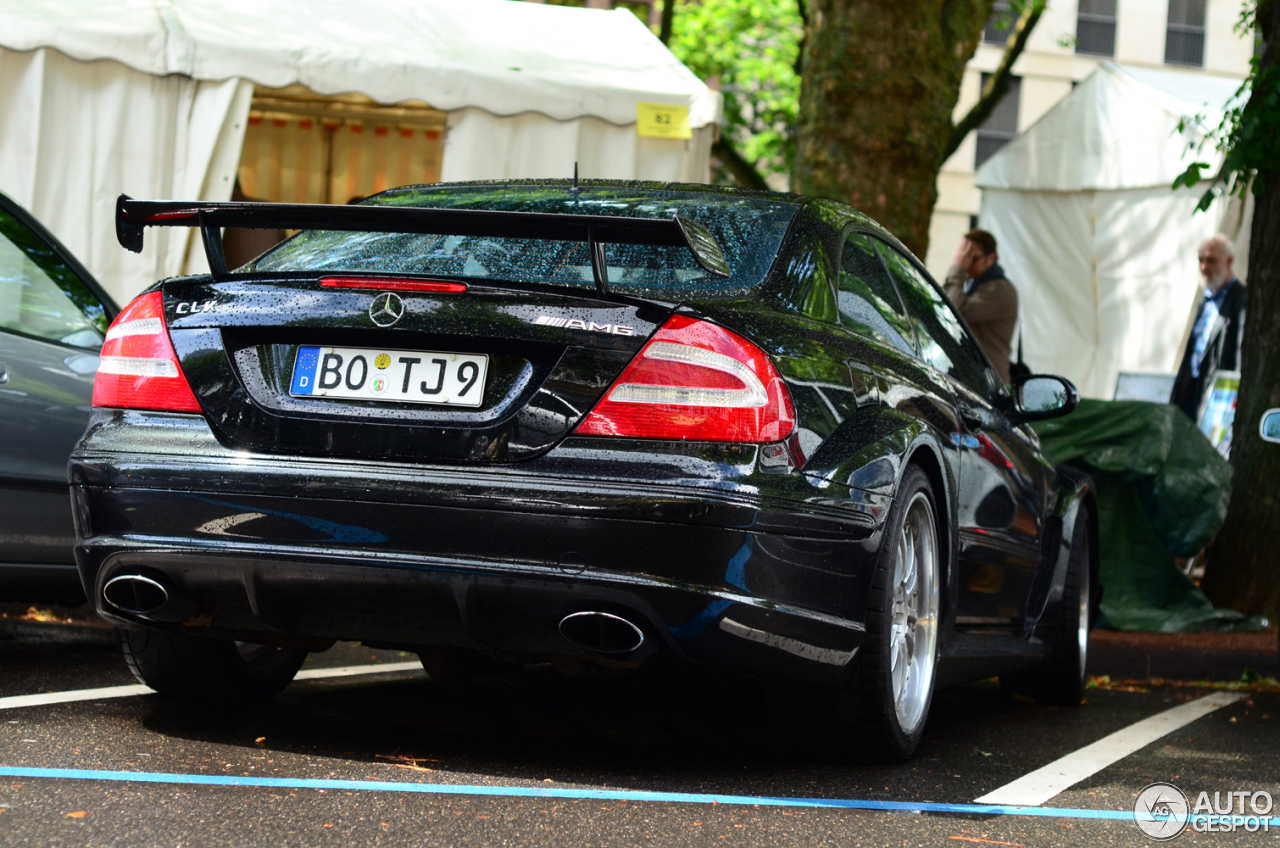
(751,48)
(1249,133)
(1003,19)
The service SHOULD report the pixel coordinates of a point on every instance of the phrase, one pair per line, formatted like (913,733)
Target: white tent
(151,98)
(1101,249)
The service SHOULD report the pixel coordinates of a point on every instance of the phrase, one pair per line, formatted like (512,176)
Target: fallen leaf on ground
(411,763)
(987,841)
(79,814)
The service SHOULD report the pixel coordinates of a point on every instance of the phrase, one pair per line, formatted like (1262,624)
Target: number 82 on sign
(663,120)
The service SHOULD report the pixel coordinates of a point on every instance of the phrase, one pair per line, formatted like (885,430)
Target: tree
(749,48)
(880,84)
(1243,571)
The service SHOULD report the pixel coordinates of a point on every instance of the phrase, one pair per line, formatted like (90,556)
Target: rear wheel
(1063,680)
(187,666)
(896,673)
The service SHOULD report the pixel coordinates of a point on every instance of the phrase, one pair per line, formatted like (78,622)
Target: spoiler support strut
(211,235)
(599,266)
(133,216)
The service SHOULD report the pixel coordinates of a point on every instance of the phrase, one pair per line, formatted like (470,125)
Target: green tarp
(1162,492)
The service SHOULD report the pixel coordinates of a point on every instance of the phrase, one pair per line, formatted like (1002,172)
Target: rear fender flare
(927,453)
(1075,501)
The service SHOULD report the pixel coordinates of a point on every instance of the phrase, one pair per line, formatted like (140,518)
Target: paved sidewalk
(1183,656)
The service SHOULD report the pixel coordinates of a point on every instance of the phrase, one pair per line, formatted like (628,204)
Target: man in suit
(1218,331)
(982,295)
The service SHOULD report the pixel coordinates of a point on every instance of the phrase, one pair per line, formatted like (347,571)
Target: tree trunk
(998,84)
(743,172)
(1244,570)
(881,81)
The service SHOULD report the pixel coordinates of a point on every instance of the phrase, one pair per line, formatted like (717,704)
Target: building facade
(1072,37)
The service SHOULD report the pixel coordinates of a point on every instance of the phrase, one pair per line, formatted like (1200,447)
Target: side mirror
(1270,426)
(1043,396)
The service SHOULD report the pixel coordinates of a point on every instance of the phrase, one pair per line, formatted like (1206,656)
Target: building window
(1001,125)
(1096,28)
(1184,39)
(999,24)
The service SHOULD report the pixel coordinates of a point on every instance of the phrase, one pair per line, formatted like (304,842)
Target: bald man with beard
(1218,331)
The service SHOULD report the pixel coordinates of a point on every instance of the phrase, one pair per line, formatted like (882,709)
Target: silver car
(53,316)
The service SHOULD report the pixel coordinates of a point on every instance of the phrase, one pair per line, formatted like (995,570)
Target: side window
(40,296)
(944,342)
(810,268)
(868,303)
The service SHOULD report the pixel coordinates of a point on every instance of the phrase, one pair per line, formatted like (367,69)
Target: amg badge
(590,326)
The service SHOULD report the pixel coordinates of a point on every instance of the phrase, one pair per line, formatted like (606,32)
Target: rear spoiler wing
(133,216)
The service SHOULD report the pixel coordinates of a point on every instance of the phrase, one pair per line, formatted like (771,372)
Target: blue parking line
(558,792)
(575,794)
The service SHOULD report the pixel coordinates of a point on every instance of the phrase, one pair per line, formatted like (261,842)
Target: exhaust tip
(135,594)
(602,633)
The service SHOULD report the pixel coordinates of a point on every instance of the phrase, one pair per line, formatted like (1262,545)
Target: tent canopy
(152,98)
(1100,247)
(1117,130)
(503,57)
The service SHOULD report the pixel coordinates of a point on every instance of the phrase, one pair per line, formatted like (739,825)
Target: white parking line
(41,699)
(13,702)
(353,670)
(1034,789)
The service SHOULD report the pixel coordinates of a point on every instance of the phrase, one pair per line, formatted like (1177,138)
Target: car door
(53,317)
(1002,480)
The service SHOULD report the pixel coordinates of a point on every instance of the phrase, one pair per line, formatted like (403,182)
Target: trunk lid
(549,356)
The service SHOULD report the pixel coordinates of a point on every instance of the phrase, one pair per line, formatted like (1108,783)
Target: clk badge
(386,309)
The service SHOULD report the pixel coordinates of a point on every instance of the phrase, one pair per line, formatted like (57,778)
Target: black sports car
(584,423)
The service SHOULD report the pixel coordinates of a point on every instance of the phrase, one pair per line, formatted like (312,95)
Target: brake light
(699,382)
(384,284)
(139,368)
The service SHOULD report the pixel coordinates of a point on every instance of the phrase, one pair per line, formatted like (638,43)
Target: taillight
(139,368)
(696,381)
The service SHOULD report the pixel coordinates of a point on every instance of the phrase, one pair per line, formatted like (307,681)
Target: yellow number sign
(662,120)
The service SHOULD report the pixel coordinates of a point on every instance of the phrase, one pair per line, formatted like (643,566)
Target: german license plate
(399,376)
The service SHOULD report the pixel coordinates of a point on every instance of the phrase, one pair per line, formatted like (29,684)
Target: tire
(896,674)
(200,668)
(1062,682)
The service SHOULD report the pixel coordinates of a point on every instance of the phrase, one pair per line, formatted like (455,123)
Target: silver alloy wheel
(914,634)
(1082,620)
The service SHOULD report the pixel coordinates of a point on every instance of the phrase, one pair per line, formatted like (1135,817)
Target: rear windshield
(749,231)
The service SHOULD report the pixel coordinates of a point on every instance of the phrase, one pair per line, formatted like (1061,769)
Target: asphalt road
(537,730)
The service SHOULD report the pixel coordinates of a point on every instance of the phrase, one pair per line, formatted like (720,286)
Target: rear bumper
(508,611)
(765,577)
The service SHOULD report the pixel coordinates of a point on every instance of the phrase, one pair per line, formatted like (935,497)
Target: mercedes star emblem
(386,309)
